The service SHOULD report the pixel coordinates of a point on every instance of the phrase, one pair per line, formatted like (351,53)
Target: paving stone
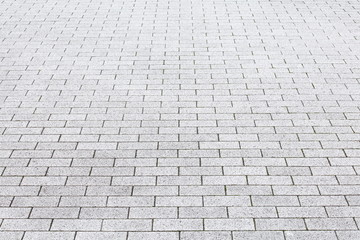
(179,119)
(62,191)
(295,190)
(27,201)
(25,224)
(108,190)
(310,235)
(179,201)
(74,201)
(11,235)
(49,235)
(248,190)
(103,213)
(177,224)
(202,212)
(154,212)
(280,224)
(55,213)
(14,212)
(153,235)
(258,235)
(127,225)
(331,224)
(301,212)
(130,201)
(202,190)
(322,201)
(226,201)
(155,190)
(100,235)
(229,224)
(275,201)
(205,235)
(252,212)
(76,225)
(347,235)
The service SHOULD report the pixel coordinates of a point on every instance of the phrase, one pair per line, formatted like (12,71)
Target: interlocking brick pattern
(180,119)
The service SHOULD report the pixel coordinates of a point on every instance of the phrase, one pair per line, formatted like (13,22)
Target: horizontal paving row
(179,120)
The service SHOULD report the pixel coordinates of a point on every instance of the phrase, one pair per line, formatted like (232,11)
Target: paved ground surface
(181,119)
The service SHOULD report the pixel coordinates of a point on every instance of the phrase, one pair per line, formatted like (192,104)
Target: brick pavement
(181,119)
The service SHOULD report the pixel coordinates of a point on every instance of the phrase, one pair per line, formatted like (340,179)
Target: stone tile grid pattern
(181,119)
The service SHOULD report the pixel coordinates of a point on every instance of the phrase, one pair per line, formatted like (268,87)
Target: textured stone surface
(181,119)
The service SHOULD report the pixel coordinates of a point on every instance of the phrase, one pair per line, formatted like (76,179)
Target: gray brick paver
(181,119)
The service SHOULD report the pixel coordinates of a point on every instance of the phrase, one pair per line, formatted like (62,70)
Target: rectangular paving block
(229,224)
(177,224)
